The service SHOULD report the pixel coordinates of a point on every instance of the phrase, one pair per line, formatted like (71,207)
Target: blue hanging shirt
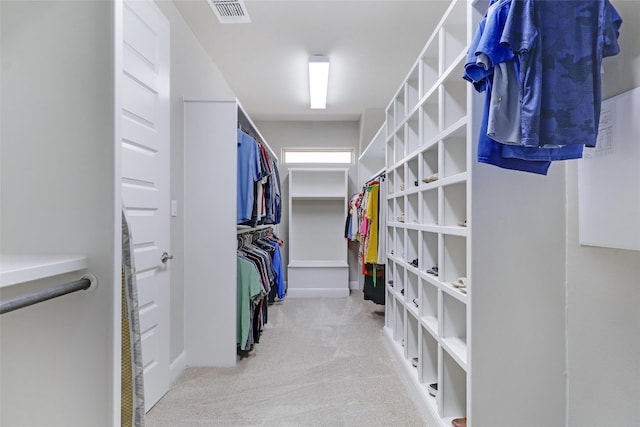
(486,41)
(248,173)
(559,47)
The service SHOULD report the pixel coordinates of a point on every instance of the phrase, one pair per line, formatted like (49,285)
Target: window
(317,155)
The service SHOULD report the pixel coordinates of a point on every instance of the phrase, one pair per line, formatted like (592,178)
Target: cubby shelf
(466,222)
(428,209)
(318,265)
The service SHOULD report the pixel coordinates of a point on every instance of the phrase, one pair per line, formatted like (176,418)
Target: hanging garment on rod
(248,173)
(374,284)
(556,62)
(259,188)
(260,275)
(363,224)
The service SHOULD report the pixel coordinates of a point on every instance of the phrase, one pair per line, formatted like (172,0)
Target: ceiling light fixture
(318,80)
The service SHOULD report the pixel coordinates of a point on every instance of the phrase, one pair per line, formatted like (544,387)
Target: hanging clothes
(249,289)
(371,254)
(365,224)
(551,52)
(259,187)
(248,173)
(374,280)
(259,274)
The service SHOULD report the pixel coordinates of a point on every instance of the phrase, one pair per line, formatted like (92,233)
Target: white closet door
(145,179)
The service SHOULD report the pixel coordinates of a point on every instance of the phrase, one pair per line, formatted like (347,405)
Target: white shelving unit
(211,128)
(318,264)
(16,269)
(372,160)
(482,346)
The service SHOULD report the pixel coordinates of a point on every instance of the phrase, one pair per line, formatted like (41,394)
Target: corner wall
(193,76)
(59,197)
(603,286)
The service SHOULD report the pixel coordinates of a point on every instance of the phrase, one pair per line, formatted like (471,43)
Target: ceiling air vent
(230,11)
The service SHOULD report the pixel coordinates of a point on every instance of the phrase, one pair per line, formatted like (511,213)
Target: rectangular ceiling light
(318,80)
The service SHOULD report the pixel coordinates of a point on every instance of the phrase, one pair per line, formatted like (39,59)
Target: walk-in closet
(446,237)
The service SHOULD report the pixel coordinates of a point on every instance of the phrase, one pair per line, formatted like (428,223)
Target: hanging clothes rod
(86,282)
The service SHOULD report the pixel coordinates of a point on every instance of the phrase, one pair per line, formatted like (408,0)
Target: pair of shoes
(433,270)
(461,284)
(390,282)
(416,183)
(414,362)
(433,389)
(459,422)
(431,178)
(414,263)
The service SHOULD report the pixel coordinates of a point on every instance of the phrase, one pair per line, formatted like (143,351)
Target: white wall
(603,287)
(370,122)
(311,134)
(193,76)
(58,196)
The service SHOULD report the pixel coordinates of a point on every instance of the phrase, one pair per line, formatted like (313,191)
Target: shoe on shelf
(460,283)
(459,422)
(463,223)
(430,178)
(433,389)
(414,362)
(414,263)
(402,291)
(433,270)
(415,301)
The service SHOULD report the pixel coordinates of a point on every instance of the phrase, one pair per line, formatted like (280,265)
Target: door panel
(145,179)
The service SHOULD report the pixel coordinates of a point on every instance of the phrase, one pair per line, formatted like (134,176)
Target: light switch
(174,208)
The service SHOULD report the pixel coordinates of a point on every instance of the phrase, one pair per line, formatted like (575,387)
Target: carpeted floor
(320,362)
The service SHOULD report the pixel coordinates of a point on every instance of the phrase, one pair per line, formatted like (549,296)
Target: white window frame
(317,151)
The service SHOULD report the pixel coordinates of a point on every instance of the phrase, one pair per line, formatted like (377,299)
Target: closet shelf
(316,264)
(325,196)
(430,323)
(16,269)
(457,349)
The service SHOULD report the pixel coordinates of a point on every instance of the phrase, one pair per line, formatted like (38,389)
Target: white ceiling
(372,44)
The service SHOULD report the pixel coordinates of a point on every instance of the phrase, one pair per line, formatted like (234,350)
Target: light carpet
(320,362)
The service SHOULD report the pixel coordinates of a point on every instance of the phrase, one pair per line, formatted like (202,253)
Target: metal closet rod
(86,282)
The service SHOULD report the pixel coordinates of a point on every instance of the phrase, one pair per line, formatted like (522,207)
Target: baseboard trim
(318,293)
(354,285)
(177,367)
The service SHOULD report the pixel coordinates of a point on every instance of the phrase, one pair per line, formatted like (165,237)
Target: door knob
(165,256)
